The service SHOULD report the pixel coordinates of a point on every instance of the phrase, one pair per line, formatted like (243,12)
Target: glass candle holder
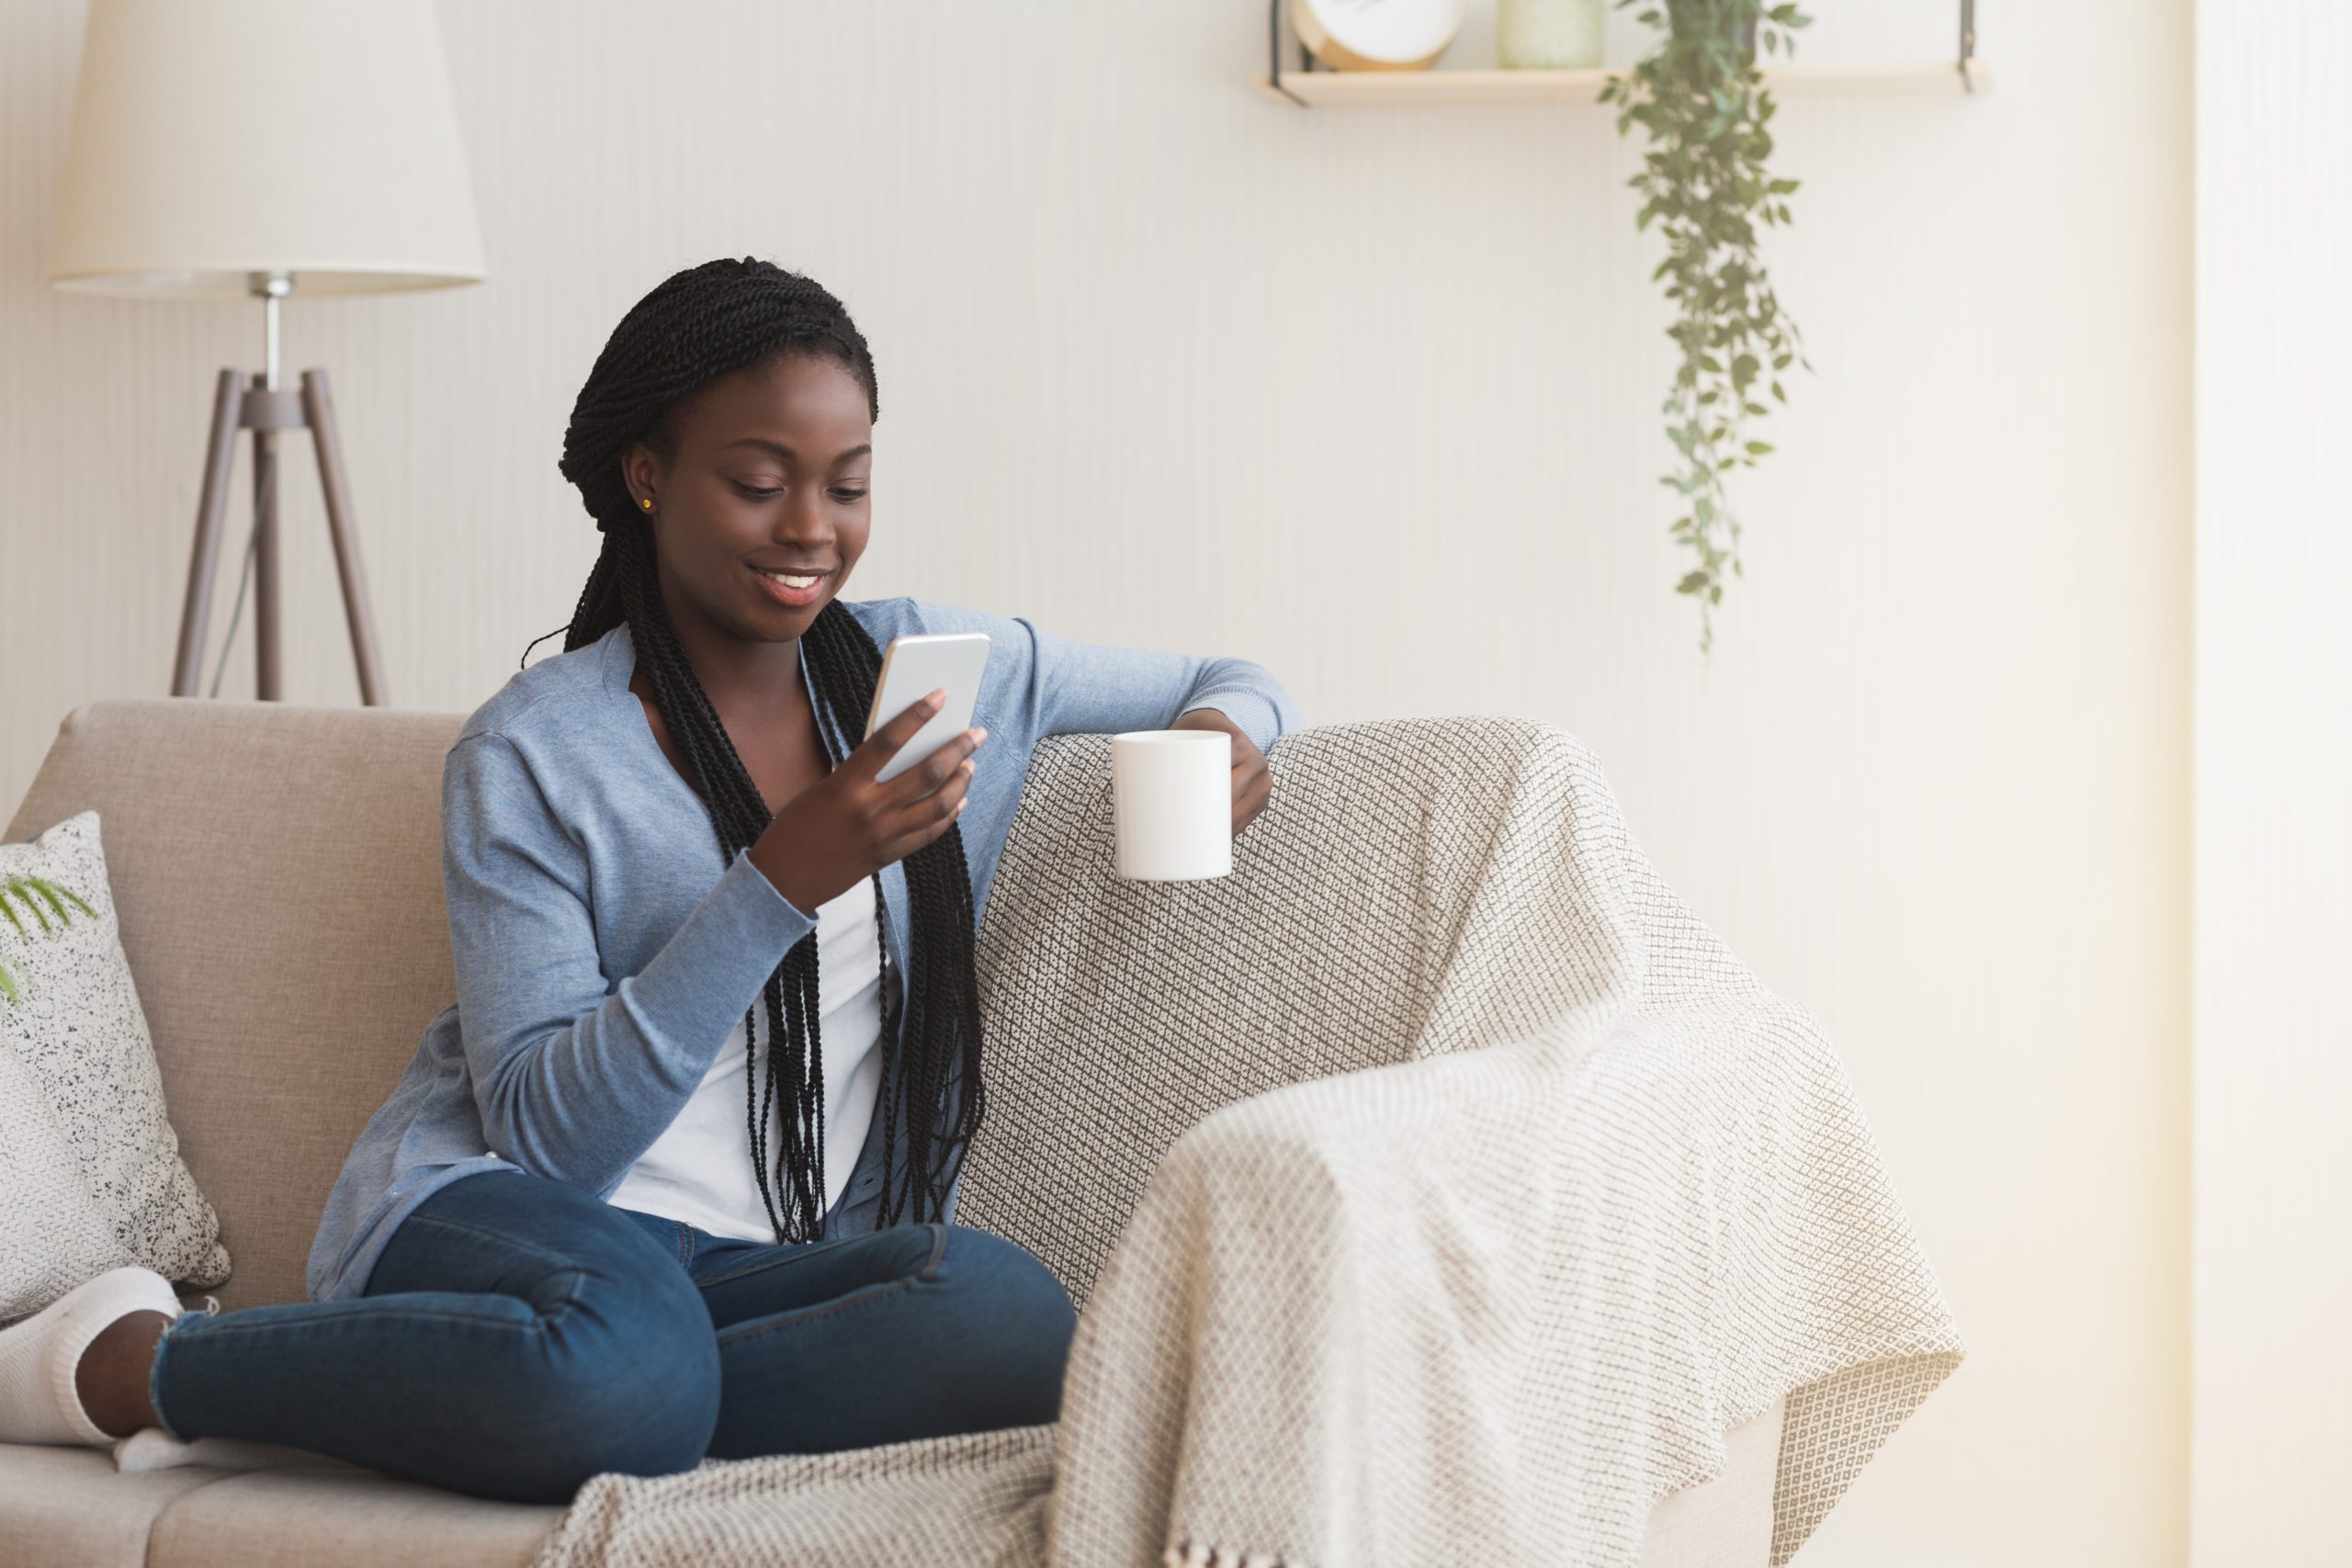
(1548,34)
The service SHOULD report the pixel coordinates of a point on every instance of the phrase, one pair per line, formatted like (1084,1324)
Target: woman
(574,1240)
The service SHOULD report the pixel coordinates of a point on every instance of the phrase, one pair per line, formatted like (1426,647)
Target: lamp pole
(273,287)
(264,408)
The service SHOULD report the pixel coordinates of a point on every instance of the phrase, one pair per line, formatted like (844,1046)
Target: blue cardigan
(605,952)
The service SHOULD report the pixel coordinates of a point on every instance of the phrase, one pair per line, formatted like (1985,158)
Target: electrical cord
(243,572)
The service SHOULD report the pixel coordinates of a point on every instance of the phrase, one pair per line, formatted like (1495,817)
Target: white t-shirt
(699,1169)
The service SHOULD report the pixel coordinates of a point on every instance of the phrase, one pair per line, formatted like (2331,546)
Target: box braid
(698,324)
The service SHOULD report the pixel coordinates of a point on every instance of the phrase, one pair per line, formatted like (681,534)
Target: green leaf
(1758,448)
(21,888)
(48,890)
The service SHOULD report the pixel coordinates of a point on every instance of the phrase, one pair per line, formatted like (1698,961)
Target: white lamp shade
(214,140)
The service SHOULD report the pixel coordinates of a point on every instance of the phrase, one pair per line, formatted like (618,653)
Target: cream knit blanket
(1434,1189)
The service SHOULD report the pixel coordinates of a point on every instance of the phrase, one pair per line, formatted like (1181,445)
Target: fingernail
(979,735)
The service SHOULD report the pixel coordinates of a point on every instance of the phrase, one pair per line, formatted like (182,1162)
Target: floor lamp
(261,148)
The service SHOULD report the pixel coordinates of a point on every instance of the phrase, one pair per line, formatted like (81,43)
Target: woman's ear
(640,471)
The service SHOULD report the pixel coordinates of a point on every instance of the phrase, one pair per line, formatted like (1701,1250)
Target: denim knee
(627,1379)
(1022,1321)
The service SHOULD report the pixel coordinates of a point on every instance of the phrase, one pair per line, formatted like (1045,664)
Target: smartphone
(912,667)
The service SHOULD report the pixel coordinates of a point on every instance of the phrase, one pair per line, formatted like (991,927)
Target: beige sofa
(277,870)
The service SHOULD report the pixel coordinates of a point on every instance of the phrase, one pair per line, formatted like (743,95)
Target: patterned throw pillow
(79,1079)
(52,1237)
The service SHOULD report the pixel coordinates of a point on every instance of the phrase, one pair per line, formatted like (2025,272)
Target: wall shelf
(1400,89)
(1313,85)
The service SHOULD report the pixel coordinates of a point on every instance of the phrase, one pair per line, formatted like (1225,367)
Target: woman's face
(771,471)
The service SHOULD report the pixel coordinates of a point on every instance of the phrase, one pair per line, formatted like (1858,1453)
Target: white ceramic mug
(1172,803)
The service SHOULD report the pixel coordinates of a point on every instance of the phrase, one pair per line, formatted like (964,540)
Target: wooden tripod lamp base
(265,410)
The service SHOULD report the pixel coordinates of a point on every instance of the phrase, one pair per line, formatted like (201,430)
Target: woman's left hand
(1253,781)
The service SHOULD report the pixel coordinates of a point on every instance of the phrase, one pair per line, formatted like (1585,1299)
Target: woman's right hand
(846,826)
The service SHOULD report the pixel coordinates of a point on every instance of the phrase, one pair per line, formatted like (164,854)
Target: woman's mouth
(793,590)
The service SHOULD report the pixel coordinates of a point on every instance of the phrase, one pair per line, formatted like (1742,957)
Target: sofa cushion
(276,878)
(69,1505)
(354,1518)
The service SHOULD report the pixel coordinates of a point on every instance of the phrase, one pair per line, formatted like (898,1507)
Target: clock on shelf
(1376,34)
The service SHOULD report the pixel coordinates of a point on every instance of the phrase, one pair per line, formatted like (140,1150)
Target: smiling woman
(555,1250)
(724,445)
(724,441)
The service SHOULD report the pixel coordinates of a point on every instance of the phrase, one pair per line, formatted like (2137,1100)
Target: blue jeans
(519,1335)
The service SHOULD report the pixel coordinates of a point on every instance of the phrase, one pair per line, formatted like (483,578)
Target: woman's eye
(751,495)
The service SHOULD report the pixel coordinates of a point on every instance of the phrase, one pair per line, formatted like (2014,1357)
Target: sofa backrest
(277,873)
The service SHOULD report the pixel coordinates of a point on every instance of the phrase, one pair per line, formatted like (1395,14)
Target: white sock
(39,1356)
(152,1447)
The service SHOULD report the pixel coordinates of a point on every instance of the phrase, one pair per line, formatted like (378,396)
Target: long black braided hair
(698,324)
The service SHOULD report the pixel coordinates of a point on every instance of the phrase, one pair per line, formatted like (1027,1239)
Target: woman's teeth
(788,581)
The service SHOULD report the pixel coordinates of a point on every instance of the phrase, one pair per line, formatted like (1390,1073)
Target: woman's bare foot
(112,1375)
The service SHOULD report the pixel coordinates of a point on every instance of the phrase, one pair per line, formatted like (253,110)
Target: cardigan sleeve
(1041,683)
(575,1077)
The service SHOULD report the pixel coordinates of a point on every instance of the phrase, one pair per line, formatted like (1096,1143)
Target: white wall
(1371,396)
(2274,777)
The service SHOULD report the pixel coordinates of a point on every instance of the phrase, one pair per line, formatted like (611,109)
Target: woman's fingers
(922,820)
(878,748)
(915,787)
(1253,784)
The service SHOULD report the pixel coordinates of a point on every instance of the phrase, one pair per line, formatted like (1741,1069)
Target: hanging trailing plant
(1701,101)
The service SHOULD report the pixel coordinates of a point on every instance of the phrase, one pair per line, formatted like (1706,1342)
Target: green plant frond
(22,889)
(48,890)
(1706,190)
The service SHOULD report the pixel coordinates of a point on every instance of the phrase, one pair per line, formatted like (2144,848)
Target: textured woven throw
(1435,1189)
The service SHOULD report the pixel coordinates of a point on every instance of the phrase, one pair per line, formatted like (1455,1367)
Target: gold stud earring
(646,501)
